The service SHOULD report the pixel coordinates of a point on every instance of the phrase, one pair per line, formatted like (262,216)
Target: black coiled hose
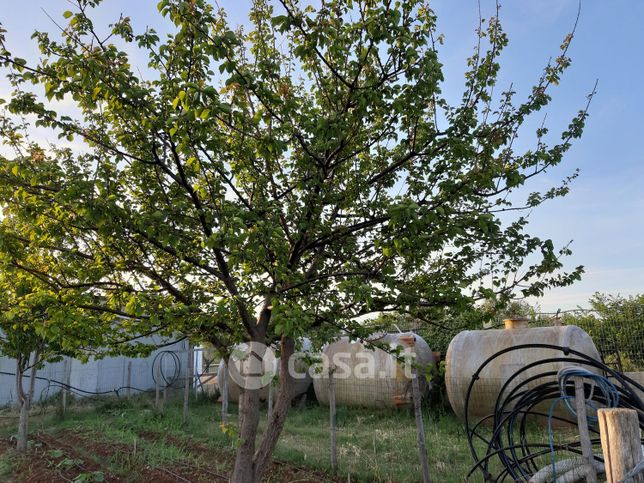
(509,452)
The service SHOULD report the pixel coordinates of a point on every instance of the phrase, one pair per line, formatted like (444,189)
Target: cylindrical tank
(470,349)
(302,382)
(369,377)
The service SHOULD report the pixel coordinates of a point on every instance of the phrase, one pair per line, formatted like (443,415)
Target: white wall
(8,382)
(103,375)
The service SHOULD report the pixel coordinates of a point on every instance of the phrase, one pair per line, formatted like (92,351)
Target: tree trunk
(23,426)
(250,466)
(244,471)
(25,399)
(278,415)
(22,407)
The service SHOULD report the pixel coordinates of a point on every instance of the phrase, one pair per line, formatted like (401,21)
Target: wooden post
(197,354)
(157,386)
(68,374)
(420,429)
(332,422)
(584,434)
(270,400)
(224,393)
(186,387)
(129,379)
(620,436)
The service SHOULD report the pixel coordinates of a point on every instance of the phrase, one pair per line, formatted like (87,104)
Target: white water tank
(470,349)
(367,377)
(302,383)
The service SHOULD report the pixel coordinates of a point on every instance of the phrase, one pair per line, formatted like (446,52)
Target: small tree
(283,180)
(26,348)
(26,335)
(39,321)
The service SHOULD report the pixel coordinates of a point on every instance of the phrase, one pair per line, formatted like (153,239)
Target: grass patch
(8,464)
(376,445)
(373,445)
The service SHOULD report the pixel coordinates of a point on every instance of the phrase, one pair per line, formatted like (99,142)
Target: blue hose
(606,388)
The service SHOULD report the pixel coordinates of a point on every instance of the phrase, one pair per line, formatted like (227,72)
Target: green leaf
(68,13)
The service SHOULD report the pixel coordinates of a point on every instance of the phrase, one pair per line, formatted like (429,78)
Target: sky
(604,213)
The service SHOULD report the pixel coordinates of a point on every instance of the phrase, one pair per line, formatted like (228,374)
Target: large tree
(284,178)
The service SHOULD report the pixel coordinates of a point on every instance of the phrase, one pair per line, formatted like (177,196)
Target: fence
(619,337)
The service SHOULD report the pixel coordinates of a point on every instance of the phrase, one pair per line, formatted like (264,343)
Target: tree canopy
(278,179)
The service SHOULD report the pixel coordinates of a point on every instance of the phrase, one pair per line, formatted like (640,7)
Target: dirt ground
(69,456)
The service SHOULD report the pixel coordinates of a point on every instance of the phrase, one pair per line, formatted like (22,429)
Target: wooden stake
(129,379)
(68,375)
(157,386)
(584,434)
(332,422)
(620,436)
(224,393)
(270,399)
(186,387)
(420,430)
(197,368)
